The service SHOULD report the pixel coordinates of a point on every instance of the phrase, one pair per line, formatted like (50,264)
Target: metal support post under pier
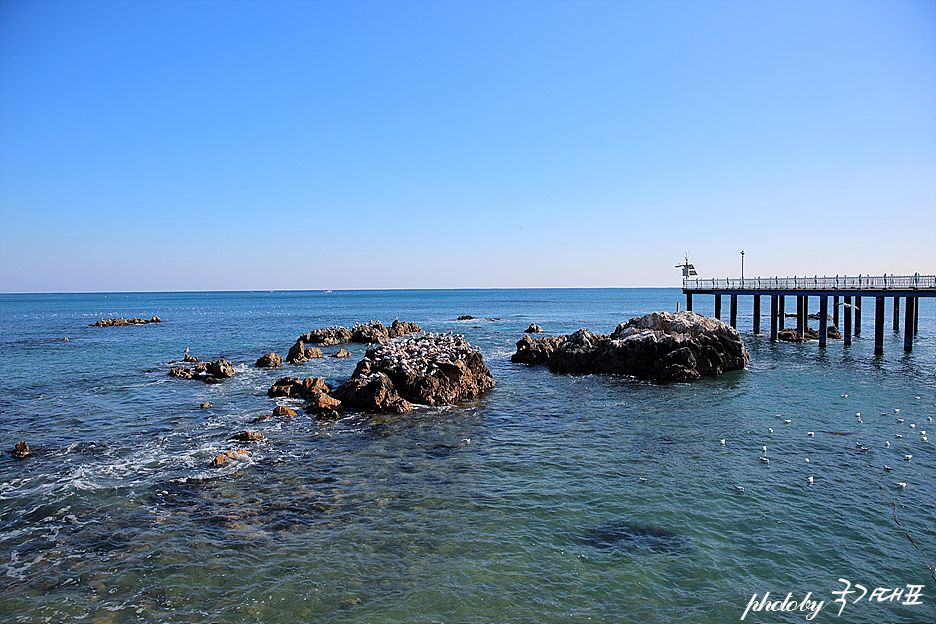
(734,311)
(757,314)
(916,315)
(909,305)
(781,315)
(847,310)
(800,316)
(823,320)
(773,317)
(718,307)
(857,316)
(896,313)
(689,301)
(835,311)
(879,326)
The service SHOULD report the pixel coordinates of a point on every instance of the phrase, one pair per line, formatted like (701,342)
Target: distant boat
(326,291)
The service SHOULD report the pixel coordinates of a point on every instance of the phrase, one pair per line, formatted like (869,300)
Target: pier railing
(839,282)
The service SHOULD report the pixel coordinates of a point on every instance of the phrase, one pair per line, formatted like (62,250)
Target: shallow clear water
(552,498)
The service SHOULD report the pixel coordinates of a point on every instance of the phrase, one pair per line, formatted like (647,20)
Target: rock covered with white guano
(662,345)
(433,369)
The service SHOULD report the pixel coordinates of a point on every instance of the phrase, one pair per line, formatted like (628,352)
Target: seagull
(887,444)
(908,457)
(765,460)
(723,441)
(765,449)
(896,410)
(858,415)
(739,488)
(770,429)
(811,479)
(886,467)
(844,396)
(807,460)
(925,439)
(642,480)
(787,421)
(912,426)
(811,433)
(898,435)
(902,484)
(900,420)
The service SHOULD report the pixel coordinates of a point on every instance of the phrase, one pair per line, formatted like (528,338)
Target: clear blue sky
(201,145)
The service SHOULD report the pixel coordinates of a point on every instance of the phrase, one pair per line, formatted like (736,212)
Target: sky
(242,145)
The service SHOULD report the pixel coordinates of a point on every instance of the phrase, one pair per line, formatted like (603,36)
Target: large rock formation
(665,346)
(429,370)
(368,333)
(270,360)
(299,353)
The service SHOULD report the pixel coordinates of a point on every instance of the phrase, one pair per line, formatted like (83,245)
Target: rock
(373,393)
(430,370)
(20,450)
(282,410)
(221,369)
(465,317)
(328,336)
(247,436)
(296,353)
(535,350)
(225,458)
(117,322)
(342,354)
(327,416)
(270,360)
(190,359)
(372,332)
(790,334)
(181,372)
(321,402)
(312,353)
(833,332)
(399,328)
(297,388)
(664,346)
(205,405)
(533,329)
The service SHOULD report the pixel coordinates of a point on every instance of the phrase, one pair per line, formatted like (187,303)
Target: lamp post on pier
(742,268)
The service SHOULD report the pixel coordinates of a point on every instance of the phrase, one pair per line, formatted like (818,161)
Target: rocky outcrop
(299,353)
(270,360)
(207,372)
(664,346)
(342,353)
(833,332)
(282,410)
(536,350)
(533,329)
(297,388)
(227,457)
(429,370)
(371,332)
(119,322)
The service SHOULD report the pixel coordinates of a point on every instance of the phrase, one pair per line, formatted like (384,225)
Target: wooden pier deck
(846,292)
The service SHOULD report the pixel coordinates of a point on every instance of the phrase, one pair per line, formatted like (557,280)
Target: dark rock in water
(282,410)
(328,336)
(207,372)
(430,370)
(664,346)
(312,353)
(297,388)
(342,353)
(533,329)
(625,536)
(833,332)
(225,458)
(535,350)
(816,316)
(296,354)
(205,405)
(465,317)
(115,322)
(321,402)
(270,360)
(20,450)
(221,369)
(247,436)
(372,393)
(367,333)
(190,359)
(791,335)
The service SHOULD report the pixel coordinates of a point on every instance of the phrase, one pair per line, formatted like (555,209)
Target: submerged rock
(533,329)
(342,353)
(282,410)
(20,450)
(225,458)
(207,372)
(429,370)
(664,346)
(247,436)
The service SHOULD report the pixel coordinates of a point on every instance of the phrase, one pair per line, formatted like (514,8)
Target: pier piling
(879,326)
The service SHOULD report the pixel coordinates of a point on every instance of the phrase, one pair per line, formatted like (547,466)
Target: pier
(846,293)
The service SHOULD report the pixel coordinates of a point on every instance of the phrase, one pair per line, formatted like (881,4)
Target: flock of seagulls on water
(911,431)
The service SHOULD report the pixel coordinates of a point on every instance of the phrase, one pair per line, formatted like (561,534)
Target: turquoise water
(551,498)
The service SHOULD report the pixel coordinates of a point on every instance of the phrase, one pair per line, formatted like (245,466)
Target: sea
(800,489)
